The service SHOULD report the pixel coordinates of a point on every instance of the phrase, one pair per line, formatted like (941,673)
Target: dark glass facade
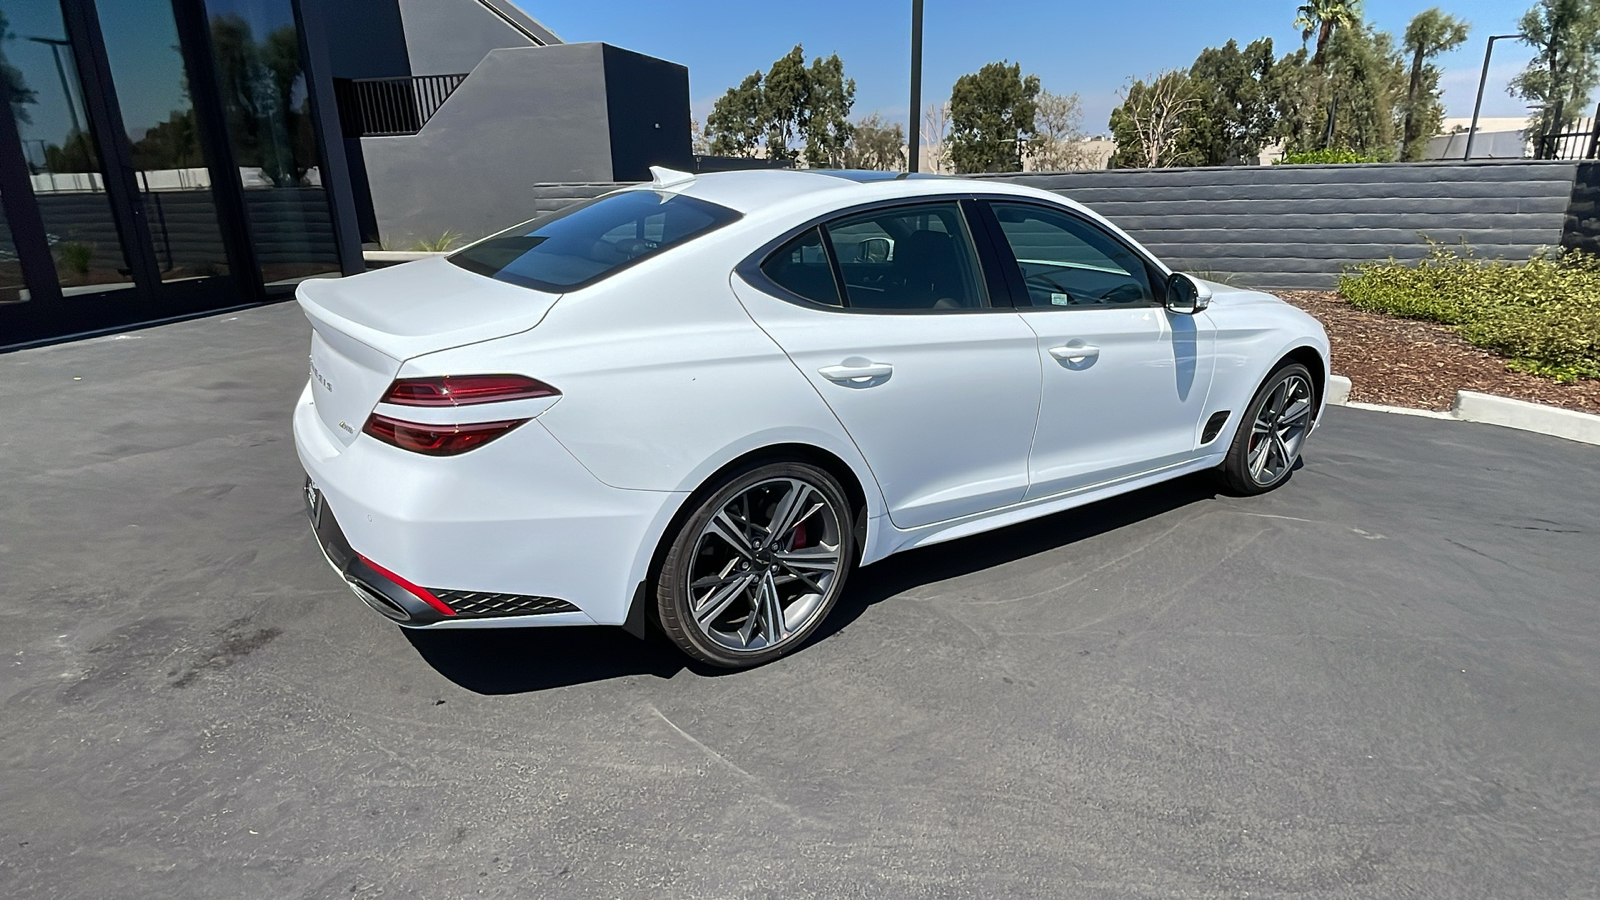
(160,158)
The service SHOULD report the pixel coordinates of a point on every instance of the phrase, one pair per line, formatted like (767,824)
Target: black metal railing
(1580,140)
(384,107)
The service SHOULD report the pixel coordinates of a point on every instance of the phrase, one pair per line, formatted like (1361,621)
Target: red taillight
(465,390)
(436,440)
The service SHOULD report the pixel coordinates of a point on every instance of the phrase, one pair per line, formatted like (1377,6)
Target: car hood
(1229,296)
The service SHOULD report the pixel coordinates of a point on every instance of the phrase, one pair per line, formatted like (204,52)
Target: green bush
(1330,155)
(75,257)
(1543,314)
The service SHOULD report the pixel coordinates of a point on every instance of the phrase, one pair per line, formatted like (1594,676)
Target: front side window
(908,258)
(583,244)
(1068,263)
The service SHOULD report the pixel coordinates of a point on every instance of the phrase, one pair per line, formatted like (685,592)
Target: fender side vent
(1214,426)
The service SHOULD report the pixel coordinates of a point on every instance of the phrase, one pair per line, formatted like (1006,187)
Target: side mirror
(1187,295)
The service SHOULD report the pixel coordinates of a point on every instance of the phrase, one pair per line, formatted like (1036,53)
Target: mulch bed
(1408,362)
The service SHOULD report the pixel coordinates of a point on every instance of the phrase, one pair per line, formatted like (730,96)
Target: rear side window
(908,258)
(801,267)
(583,244)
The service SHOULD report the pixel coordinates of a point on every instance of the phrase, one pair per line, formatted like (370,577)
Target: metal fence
(385,107)
(1581,140)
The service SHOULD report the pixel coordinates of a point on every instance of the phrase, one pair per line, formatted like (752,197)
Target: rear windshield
(584,243)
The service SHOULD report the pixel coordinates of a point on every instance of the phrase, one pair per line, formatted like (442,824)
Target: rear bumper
(514,533)
(412,605)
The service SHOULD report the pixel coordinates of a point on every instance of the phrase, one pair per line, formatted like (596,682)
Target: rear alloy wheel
(1272,433)
(757,565)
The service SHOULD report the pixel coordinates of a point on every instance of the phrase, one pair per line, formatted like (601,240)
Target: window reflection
(11,284)
(46,100)
(141,38)
(256,50)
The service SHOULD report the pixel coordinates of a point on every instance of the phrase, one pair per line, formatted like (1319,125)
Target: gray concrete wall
(1300,226)
(1286,227)
(1582,227)
(525,117)
(449,37)
(522,118)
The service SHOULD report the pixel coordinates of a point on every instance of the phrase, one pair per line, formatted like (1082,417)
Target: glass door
(138,205)
(62,158)
(163,149)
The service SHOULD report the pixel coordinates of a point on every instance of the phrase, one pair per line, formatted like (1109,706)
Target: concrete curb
(1487,409)
(1338,390)
(1471,406)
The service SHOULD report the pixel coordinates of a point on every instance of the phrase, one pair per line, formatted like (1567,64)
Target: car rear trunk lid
(364,328)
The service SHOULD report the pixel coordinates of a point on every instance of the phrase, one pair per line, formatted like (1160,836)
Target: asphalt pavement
(1382,680)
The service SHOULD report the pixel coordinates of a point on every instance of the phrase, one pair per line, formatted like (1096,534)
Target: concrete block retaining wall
(1288,227)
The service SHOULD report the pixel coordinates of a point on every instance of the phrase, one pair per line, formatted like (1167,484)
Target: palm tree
(1321,17)
(1432,32)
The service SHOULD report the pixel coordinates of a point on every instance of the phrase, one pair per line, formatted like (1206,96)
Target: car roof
(786,191)
(782,197)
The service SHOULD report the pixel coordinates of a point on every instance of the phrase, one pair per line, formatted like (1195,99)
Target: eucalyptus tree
(1565,36)
(1432,32)
(992,116)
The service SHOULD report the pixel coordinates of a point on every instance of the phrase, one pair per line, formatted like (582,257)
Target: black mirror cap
(1187,295)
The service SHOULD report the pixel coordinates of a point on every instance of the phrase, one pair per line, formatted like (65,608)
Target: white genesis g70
(702,402)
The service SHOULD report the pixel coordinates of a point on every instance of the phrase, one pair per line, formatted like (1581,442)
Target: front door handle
(857,374)
(1075,353)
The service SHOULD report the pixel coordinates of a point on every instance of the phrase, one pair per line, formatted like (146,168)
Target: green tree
(784,98)
(826,125)
(790,107)
(1237,111)
(1565,36)
(1154,124)
(737,119)
(1432,32)
(1323,18)
(876,144)
(11,80)
(1353,102)
(991,115)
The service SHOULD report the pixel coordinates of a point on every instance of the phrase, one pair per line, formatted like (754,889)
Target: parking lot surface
(1382,680)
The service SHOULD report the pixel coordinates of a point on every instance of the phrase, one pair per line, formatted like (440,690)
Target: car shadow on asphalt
(520,660)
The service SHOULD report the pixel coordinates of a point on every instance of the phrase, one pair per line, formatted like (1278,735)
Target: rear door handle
(1075,352)
(856,375)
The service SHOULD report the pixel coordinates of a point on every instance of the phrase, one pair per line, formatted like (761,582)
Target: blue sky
(1087,48)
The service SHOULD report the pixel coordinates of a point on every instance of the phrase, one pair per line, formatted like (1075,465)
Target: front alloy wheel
(757,566)
(1265,451)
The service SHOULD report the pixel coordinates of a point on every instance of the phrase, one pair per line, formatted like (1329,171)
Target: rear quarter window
(583,244)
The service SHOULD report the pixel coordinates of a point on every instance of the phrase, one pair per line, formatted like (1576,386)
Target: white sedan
(702,402)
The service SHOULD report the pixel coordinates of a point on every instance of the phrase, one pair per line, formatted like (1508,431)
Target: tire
(1272,432)
(734,595)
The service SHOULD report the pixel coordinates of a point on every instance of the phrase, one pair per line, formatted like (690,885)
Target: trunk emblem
(317,377)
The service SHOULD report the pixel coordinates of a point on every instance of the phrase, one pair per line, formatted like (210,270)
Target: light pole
(913,150)
(1484,79)
(55,45)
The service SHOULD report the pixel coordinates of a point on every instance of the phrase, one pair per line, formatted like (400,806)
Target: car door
(888,313)
(1124,380)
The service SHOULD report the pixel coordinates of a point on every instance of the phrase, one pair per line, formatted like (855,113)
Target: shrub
(1543,314)
(75,257)
(1323,157)
(439,244)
